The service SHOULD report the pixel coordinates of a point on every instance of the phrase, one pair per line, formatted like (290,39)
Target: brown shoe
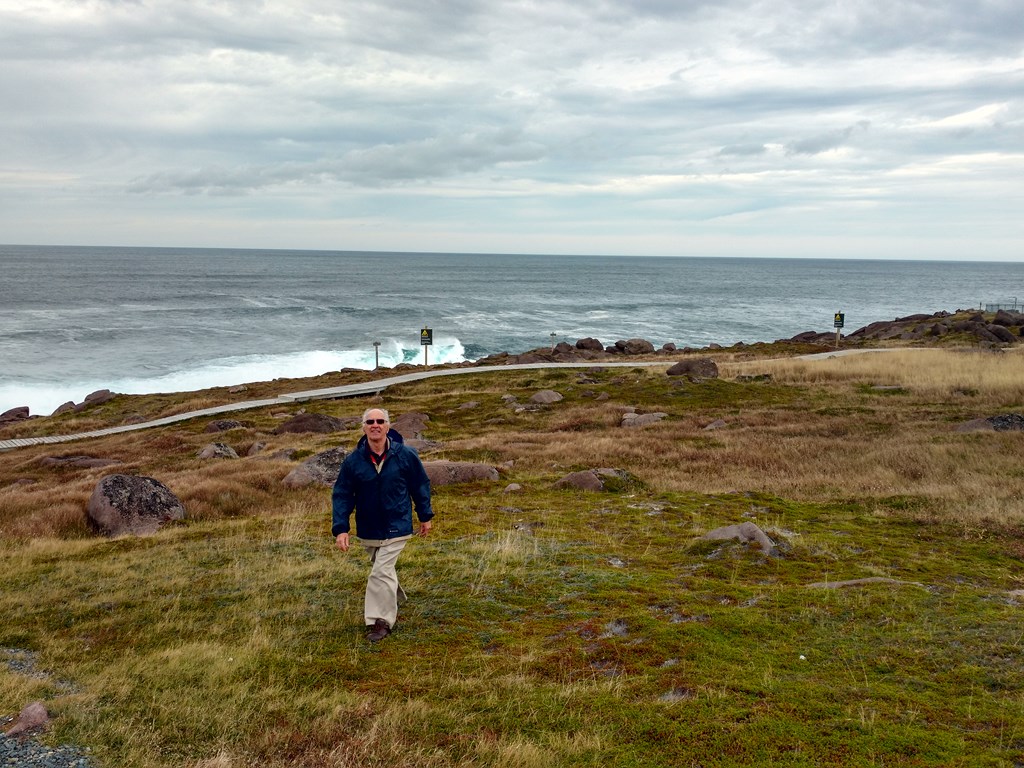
(378,631)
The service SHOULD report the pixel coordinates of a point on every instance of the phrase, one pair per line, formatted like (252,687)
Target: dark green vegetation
(545,627)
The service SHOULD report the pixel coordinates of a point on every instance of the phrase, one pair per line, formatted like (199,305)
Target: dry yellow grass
(988,376)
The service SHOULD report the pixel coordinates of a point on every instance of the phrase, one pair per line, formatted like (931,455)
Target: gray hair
(367,413)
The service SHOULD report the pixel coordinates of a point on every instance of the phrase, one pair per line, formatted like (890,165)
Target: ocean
(143,320)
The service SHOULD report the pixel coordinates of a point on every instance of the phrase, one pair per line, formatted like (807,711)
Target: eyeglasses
(376,421)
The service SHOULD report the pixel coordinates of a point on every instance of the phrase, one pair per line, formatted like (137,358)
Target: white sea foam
(44,397)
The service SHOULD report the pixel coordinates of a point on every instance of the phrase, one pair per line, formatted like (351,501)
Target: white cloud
(502,123)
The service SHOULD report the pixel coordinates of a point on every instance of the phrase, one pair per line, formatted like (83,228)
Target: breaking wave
(43,397)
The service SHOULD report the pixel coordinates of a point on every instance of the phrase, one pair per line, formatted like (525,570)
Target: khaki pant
(383,592)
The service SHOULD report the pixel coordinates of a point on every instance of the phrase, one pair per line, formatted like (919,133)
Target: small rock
(745,532)
(641,419)
(64,408)
(217,451)
(546,397)
(454,472)
(224,425)
(33,717)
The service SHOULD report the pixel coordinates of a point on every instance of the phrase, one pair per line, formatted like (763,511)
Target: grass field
(546,627)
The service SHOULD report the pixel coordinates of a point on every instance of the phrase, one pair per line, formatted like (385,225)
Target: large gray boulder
(14,414)
(411,425)
(635,347)
(641,419)
(697,368)
(321,469)
(601,479)
(98,397)
(454,472)
(314,422)
(546,397)
(131,505)
(590,343)
(747,533)
(217,451)
(1001,333)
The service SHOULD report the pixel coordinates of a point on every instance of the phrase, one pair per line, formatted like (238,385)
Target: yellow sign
(426,337)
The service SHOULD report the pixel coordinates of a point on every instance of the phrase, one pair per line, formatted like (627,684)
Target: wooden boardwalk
(331,393)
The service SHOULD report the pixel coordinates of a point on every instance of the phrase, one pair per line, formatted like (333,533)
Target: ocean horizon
(74,319)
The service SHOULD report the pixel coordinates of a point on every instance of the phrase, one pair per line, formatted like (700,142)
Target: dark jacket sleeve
(419,486)
(343,500)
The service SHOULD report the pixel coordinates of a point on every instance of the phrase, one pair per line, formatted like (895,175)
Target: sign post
(838,322)
(376,355)
(426,339)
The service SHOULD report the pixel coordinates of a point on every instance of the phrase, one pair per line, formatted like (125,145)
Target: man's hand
(424,528)
(342,542)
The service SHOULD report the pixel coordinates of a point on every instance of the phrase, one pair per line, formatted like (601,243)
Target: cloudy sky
(838,128)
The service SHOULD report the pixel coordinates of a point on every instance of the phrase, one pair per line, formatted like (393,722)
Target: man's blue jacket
(382,502)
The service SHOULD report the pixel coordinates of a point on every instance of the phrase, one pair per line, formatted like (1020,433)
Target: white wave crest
(43,398)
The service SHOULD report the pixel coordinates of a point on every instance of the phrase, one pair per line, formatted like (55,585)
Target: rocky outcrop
(1002,327)
(98,397)
(584,350)
(454,472)
(591,344)
(14,415)
(131,505)
(321,469)
(695,369)
(315,422)
(1006,422)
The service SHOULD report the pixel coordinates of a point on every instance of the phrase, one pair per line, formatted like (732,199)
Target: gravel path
(26,750)
(29,752)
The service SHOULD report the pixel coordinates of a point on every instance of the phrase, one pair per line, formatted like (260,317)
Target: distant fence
(1013,307)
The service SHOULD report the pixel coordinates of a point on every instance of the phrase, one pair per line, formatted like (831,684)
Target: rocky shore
(964,327)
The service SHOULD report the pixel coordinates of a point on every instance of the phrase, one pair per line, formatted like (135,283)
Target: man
(381,479)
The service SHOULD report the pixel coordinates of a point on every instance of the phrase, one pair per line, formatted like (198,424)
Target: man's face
(372,429)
